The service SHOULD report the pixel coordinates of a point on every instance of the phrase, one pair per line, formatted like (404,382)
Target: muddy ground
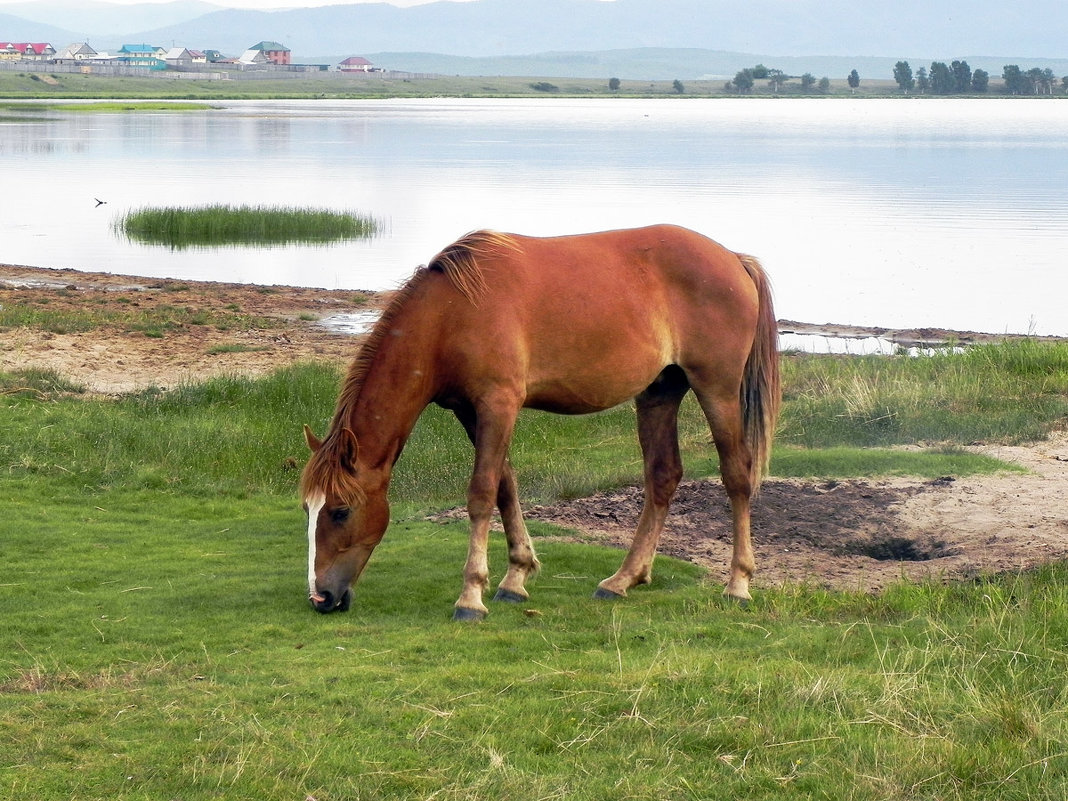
(842,534)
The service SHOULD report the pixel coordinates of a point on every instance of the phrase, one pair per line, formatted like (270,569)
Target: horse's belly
(593,390)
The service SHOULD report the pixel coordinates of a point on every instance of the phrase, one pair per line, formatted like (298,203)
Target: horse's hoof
(469,615)
(509,597)
(601,594)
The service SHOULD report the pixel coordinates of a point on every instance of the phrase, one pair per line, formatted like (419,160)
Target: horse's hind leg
(658,411)
(723,411)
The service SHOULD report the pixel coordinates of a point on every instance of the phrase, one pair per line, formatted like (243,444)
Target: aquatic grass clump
(221,225)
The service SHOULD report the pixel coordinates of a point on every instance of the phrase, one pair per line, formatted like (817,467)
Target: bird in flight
(99,202)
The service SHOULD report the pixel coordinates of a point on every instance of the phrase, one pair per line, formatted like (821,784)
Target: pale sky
(258,5)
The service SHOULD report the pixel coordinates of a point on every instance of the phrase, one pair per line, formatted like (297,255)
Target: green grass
(1012,391)
(155,320)
(159,646)
(206,226)
(15,85)
(156,642)
(241,435)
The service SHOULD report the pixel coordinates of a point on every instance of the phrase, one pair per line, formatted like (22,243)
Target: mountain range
(629,38)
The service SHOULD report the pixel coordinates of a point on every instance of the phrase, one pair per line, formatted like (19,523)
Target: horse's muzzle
(326,601)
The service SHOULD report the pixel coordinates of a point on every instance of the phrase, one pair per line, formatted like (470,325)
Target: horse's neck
(395,390)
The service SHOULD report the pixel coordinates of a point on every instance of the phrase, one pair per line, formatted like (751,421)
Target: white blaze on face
(315,505)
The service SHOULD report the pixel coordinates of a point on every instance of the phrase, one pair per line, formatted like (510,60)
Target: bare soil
(283,328)
(858,535)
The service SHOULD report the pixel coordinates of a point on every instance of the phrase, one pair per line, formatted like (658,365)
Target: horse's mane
(459,262)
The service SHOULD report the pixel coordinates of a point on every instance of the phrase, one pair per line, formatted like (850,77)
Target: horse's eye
(340,515)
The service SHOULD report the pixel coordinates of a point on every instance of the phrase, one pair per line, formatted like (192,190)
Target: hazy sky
(261,5)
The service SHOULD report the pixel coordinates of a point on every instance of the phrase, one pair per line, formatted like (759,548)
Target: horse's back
(665,284)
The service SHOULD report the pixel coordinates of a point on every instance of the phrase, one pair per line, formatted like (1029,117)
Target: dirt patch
(284,327)
(845,534)
(860,535)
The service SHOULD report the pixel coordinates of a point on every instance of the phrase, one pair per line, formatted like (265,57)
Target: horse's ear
(350,449)
(314,443)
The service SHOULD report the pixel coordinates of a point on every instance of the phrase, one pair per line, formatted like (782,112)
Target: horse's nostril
(323,602)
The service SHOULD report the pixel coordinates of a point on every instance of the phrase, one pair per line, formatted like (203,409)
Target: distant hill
(17,29)
(629,38)
(95,17)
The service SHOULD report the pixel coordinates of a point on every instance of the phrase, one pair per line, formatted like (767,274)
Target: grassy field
(180,227)
(68,86)
(156,641)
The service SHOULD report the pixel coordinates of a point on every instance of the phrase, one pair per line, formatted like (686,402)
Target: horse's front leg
(494,419)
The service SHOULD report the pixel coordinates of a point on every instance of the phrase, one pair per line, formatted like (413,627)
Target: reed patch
(178,227)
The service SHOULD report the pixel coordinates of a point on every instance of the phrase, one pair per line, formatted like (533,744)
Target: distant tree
(903,76)
(942,80)
(824,84)
(776,79)
(980,81)
(853,80)
(613,84)
(1016,82)
(743,81)
(1064,83)
(962,75)
(1048,79)
(1034,79)
(760,72)
(808,80)
(677,86)
(923,83)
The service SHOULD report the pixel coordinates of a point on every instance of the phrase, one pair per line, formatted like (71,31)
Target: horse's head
(347,516)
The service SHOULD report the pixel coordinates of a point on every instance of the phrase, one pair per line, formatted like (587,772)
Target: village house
(216,57)
(356,64)
(273,52)
(253,58)
(262,56)
(182,57)
(142,55)
(78,51)
(27,51)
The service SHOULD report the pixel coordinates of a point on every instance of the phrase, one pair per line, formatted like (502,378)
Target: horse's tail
(761,392)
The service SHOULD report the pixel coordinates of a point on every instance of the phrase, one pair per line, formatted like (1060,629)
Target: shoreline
(13,276)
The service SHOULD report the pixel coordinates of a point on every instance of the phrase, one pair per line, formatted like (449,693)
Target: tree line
(744,80)
(958,78)
(941,78)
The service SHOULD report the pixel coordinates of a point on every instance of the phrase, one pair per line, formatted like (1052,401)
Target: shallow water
(891,213)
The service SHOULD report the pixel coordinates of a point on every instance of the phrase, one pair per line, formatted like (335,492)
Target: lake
(923,212)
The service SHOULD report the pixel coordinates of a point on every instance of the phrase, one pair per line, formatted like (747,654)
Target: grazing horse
(573,324)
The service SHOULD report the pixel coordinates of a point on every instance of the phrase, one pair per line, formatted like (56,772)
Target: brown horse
(575,324)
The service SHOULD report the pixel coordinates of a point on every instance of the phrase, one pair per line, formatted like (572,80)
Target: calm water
(947,213)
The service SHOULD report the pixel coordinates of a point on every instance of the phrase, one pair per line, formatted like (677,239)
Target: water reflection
(856,346)
(887,213)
